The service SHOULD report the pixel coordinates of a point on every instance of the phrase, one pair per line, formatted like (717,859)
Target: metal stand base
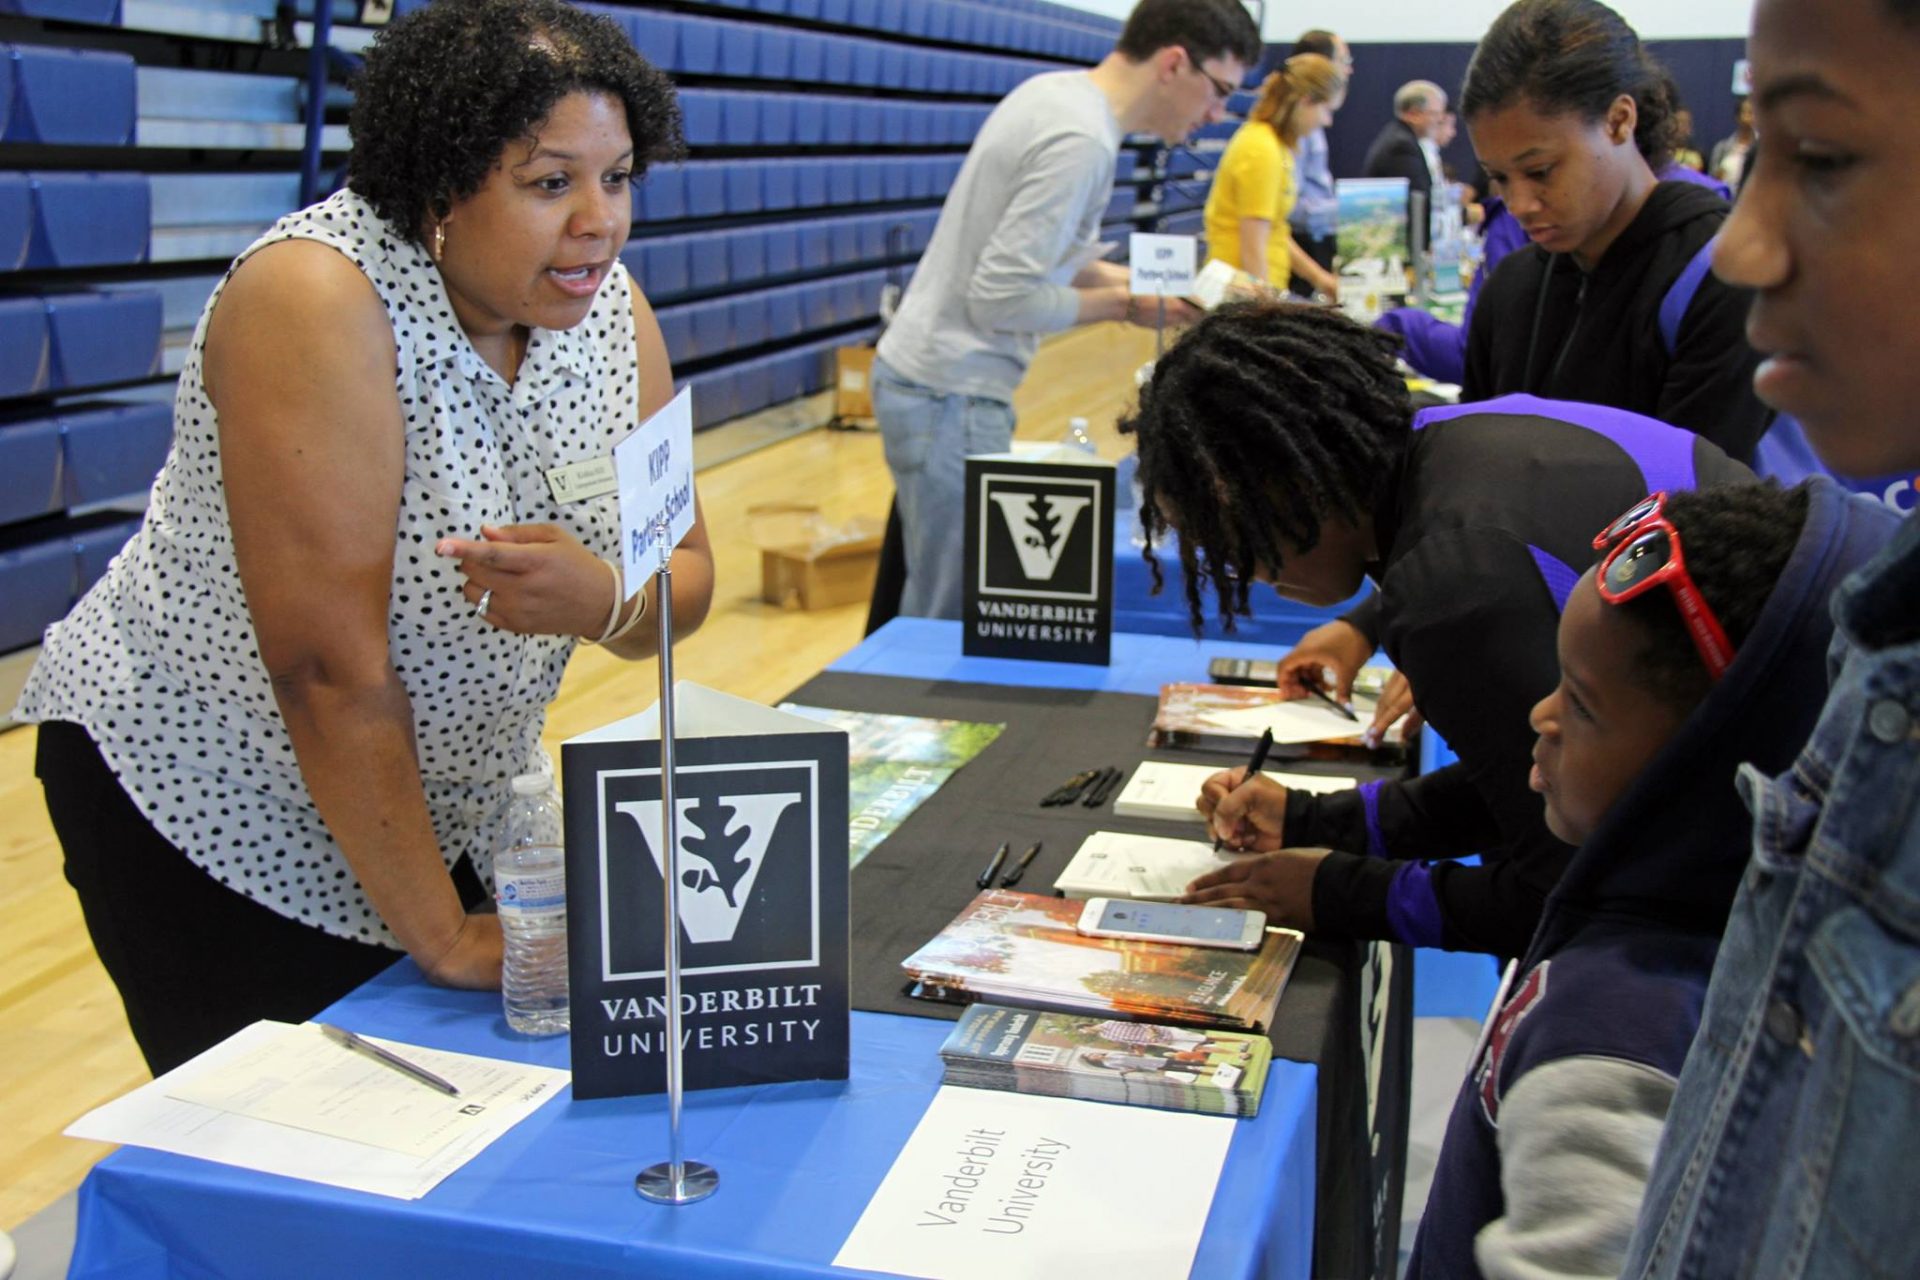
(697,1182)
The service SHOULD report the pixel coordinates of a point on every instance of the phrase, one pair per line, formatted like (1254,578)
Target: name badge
(579,481)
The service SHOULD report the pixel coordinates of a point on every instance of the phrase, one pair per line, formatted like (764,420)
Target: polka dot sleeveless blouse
(159,660)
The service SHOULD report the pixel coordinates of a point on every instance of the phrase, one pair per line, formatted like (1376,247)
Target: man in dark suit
(1418,108)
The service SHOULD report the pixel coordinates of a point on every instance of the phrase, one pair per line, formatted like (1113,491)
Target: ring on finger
(486,599)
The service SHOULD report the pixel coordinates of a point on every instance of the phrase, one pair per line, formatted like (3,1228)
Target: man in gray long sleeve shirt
(1016,255)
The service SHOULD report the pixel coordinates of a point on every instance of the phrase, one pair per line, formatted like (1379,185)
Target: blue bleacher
(113,451)
(23,346)
(89,219)
(70,97)
(99,12)
(16,220)
(94,339)
(30,469)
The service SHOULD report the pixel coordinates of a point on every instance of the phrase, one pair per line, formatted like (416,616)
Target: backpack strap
(1673,307)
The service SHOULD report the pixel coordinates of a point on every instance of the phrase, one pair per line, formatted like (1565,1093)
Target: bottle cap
(531,784)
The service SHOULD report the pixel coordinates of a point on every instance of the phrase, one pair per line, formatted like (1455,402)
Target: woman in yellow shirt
(1254,187)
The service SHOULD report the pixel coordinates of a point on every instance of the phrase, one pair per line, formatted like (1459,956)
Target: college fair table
(554,1198)
(798,1162)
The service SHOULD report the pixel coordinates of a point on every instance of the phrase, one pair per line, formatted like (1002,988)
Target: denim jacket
(1793,1144)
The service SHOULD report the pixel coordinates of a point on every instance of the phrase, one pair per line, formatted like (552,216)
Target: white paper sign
(1013,1186)
(655,465)
(1161,265)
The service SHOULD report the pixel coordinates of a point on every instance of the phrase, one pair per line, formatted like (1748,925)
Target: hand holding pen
(1250,778)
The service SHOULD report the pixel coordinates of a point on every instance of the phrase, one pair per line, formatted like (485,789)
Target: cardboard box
(805,563)
(853,382)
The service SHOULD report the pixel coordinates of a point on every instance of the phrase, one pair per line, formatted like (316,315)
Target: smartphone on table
(1231,928)
(1259,672)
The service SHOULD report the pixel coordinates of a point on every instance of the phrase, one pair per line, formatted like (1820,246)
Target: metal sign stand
(674,1180)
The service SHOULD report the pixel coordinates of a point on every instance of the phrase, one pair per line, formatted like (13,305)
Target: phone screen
(1175,920)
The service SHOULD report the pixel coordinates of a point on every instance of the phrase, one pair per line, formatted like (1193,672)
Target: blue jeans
(1793,1145)
(927,436)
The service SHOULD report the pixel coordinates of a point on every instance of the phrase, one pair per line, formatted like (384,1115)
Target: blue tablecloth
(554,1198)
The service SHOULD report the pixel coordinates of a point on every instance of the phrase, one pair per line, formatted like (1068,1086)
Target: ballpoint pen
(342,1036)
(1260,750)
(993,868)
(1019,868)
(1313,687)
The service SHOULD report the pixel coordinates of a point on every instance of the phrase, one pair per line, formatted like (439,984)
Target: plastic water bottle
(1079,437)
(530,884)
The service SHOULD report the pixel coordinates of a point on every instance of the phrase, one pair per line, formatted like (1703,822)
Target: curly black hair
(1573,56)
(448,87)
(1737,539)
(1263,421)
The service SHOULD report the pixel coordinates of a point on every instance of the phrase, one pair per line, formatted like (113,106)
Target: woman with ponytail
(1612,302)
(1254,188)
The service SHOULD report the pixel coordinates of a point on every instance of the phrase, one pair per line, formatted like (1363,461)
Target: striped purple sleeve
(1370,801)
(1412,908)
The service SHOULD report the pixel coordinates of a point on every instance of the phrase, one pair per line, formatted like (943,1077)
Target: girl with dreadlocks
(1280,443)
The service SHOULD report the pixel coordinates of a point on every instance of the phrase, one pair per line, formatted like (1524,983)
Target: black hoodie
(1618,968)
(1546,327)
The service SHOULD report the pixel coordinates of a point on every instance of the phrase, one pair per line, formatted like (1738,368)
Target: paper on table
(1302,720)
(1014,1186)
(304,1080)
(148,1117)
(1119,864)
(1159,789)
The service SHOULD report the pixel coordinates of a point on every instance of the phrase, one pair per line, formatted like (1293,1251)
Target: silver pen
(342,1036)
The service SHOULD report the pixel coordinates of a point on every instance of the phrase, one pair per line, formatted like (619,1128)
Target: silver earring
(439,241)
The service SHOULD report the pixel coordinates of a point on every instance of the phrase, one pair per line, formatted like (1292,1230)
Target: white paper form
(233,1126)
(304,1080)
(1159,789)
(1301,720)
(1013,1186)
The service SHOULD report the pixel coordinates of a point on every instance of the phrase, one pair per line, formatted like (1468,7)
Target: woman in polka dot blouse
(272,736)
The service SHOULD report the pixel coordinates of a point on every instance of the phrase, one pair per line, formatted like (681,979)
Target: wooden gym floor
(64,1045)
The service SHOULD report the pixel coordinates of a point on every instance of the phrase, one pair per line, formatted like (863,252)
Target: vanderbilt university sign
(762,803)
(1039,547)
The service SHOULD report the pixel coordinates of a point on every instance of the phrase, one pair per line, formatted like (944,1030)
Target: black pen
(1260,750)
(386,1057)
(993,868)
(1329,699)
(1020,867)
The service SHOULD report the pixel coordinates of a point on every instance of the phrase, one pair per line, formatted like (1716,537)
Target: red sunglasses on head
(1646,553)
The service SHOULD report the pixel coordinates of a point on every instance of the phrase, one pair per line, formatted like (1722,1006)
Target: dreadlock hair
(1737,540)
(1265,420)
(1571,57)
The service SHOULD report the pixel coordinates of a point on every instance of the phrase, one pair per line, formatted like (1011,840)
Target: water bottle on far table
(530,884)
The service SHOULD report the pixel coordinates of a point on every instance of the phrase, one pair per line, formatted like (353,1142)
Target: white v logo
(723,842)
(1040,524)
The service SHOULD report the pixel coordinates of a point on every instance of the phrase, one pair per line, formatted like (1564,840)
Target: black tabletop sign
(763,911)
(1039,569)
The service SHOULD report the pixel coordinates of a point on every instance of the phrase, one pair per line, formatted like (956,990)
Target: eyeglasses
(1646,554)
(1222,89)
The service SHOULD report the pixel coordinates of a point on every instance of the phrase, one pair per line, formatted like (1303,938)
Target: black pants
(194,960)
(1321,249)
